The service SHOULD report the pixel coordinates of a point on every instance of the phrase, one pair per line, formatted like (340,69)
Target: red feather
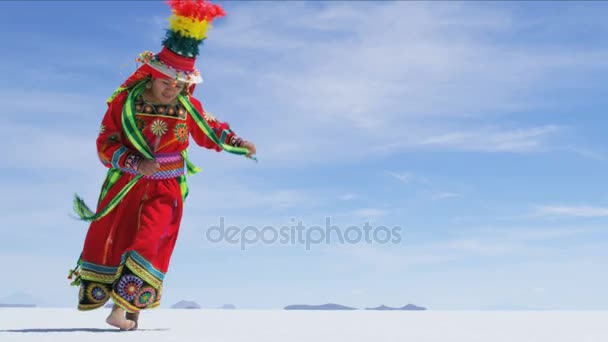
(196,9)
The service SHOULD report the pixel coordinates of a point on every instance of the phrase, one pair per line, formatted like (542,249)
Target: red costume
(130,241)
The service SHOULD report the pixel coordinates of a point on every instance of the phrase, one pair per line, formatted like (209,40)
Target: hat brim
(182,76)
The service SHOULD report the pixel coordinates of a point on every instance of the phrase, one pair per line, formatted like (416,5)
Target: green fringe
(82,209)
(190,167)
(204,126)
(187,47)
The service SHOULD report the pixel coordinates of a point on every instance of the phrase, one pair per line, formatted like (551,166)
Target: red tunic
(127,252)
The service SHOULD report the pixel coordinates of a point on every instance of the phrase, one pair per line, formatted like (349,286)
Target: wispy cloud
(435,89)
(481,139)
(369,212)
(47,148)
(403,177)
(52,106)
(489,242)
(588,153)
(348,196)
(519,140)
(570,211)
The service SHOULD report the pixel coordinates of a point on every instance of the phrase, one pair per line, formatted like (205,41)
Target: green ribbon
(137,140)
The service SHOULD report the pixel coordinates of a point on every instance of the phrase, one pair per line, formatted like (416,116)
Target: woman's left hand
(251,147)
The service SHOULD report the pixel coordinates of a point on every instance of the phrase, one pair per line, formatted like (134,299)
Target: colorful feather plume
(189,24)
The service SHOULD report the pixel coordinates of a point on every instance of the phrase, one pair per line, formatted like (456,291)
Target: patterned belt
(171,166)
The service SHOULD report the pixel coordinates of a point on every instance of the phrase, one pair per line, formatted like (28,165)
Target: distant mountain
(409,307)
(185,304)
(228,307)
(19,300)
(17,305)
(329,306)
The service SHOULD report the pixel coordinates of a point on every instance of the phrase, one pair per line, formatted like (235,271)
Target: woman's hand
(148,167)
(251,147)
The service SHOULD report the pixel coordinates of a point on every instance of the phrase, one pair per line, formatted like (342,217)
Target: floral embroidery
(128,286)
(181,132)
(96,293)
(145,297)
(159,127)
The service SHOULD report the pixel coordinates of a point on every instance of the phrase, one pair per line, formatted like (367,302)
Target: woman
(143,140)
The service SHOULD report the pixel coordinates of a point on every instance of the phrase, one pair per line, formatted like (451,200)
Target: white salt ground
(67,325)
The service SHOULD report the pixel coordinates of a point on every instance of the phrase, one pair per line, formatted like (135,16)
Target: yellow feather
(189,27)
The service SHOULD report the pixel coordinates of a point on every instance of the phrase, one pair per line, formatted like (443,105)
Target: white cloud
(570,211)
(519,140)
(54,106)
(210,195)
(588,153)
(402,176)
(348,197)
(486,242)
(365,78)
(369,212)
(482,139)
(52,148)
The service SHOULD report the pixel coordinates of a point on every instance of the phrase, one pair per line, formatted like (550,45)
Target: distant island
(228,307)
(185,304)
(17,305)
(19,300)
(409,307)
(329,306)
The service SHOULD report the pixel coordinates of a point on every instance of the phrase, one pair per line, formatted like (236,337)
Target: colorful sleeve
(110,147)
(221,129)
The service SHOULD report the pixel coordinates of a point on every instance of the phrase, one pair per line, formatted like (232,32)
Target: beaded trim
(173,111)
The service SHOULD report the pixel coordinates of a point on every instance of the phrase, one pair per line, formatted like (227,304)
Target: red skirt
(126,253)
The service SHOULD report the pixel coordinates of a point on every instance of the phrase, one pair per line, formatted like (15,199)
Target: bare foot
(117,319)
(133,317)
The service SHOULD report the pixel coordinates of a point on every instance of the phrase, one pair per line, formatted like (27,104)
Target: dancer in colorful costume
(143,140)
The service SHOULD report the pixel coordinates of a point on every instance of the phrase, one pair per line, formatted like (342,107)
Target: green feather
(187,47)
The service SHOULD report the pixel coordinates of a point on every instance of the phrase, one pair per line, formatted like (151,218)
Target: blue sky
(476,127)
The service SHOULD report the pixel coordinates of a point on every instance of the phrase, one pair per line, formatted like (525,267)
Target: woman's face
(165,90)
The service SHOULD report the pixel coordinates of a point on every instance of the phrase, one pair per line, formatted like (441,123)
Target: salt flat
(46,324)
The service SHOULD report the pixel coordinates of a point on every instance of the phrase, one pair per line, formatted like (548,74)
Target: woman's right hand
(148,167)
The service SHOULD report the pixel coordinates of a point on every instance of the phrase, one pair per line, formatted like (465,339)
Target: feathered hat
(188,28)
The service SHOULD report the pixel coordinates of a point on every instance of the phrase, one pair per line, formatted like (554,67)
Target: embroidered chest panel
(164,127)
(175,111)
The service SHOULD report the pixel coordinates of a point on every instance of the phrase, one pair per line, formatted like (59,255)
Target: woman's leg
(100,258)
(117,319)
(145,262)
(133,316)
